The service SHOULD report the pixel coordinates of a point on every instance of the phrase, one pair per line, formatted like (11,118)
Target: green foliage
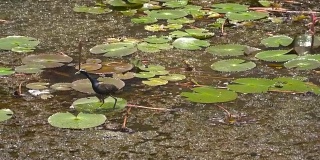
(246,16)
(115,49)
(251,85)
(92,104)
(18,43)
(209,95)
(155,82)
(227,50)
(152,48)
(302,64)
(173,77)
(277,41)
(5,114)
(189,43)
(4,71)
(232,65)
(144,75)
(275,55)
(144,20)
(167,14)
(199,33)
(290,84)
(91,10)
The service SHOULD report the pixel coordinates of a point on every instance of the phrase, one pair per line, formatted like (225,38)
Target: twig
(126,117)
(144,107)
(80,52)
(228,113)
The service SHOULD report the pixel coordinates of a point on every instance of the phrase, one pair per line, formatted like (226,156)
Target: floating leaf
(229,7)
(114,49)
(37,85)
(160,72)
(289,84)
(144,75)
(245,16)
(30,68)
(175,4)
(232,65)
(5,114)
(227,50)
(157,40)
(6,71)
(89,66)
(209,95)
(167,14)
(190,43)
(302,64)
(81,121)
(199,33)
(47,60)
(21,42)
(277,41)
(178,34)
(144,20)
(181,20)
(275,55)
(91,10)
(152,48)
(311,56)
(62,86)
(130,12)
(251,85)
(155,82)
(173,77)
(92,104)
(113,67)
(152,67)
(94,61)
(128,75)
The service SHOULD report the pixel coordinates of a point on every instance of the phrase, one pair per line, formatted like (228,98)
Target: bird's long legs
(101,98)
(115,101)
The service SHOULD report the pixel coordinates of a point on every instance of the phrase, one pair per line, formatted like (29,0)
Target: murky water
(285,126)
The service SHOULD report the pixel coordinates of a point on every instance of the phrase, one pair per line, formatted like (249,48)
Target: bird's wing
(109,87)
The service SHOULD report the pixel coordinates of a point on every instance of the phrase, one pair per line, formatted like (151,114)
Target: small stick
(126,117)
(159,109)
(19,91)
(229,114)
(80,51)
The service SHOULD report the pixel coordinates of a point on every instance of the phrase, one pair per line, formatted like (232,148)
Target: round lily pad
(311,56)
(182,20)
(5,114)
(128,75)
(290,84)
(167,14)
(155,82)
(62,86)
(37,85)
(251,85)
(47,60)
(173,77)
(160,72)
(209,95)
(229,7)
(232,65)
(92,104)
(22,42)
(6,71)
(93,60)
(227,50)
(275,55)
(152,67)
(152,48)
(144,20)
(81,121)
(175,4)
(200,33)
(190,43)
(277,41)
(113,67)
(144,75)
(302,64)
(91,10)
(89,66)
(157,40)
(178,34)
(115,49)
(30,68)
(245,16)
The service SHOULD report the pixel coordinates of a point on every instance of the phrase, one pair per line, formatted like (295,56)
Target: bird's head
(81,71)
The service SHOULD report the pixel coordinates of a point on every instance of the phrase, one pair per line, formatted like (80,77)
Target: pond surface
(271,125)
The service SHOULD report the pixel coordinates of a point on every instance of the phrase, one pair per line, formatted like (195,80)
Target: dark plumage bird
(102,90)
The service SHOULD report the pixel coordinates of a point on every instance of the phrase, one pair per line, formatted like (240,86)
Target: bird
(102,90)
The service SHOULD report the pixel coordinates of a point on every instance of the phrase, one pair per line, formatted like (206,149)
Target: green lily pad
(246,16)
(128,4)
(302,64)
(232,65)
(22,49)
(227,50)
(144,75)
(30,68)
(251,85)
(183,20)
(172,26)
(91,10)
(130,12)
(190,43)
(18,43)
(178,34)
(290,84)
(157,40)
(128,75)
(152,48)
(277,41)
(6,71)
(155,82)
(5,114)
(209,95)
(115,49)
(167,14)
(229,7)
(275,55)
(81,121)
(92,104)
(152,67)
(311,56)
(160,72)
(200,33)
(37,85)
(144,20)
(173,77)
(62,86)
(176,4)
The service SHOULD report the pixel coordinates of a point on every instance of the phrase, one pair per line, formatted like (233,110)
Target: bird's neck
(92,80)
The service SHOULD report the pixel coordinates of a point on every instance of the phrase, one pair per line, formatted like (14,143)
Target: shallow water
(283,126)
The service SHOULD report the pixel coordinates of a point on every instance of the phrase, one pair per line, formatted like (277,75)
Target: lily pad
(227,50)
(155,82)
(190,43)
(89,66)
(30,68)
(21,42)
(128,75)
(245,16)
(92,104)
(178,34)
(62,86)
(144,75)
(209,95)
(152,48)
(6,71)
(144,20)
(302,64)
(173,77)
(115,49)
(91,10)
(152,67)
(277,41)
(47,60)
(251,85)
(157,40)
(113,67)
(81,121)
(275,55)
(176,4)
(311,56)
(182,20)
(94,61)
(5,114)
(232,65)
(160,72)
(167,14)
(200,33)
(229,7)
(37,85)
(290,84)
